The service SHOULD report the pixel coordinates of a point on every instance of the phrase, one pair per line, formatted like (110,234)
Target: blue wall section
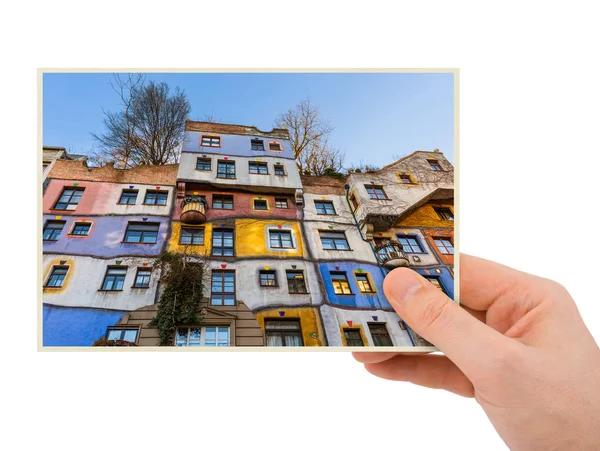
(235,145)
(67,326)
(445,277)
(106,236)
(357,299)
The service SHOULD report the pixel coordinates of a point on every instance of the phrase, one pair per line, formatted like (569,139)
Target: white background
(529,167)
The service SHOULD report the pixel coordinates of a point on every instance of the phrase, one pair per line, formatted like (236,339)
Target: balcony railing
(391,255)
(193,210)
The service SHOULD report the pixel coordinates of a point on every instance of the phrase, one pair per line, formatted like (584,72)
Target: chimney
(436,150)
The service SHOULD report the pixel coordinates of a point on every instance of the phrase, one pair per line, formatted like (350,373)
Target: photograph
(243,209)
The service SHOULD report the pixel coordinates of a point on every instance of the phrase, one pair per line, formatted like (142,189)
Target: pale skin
(517,344)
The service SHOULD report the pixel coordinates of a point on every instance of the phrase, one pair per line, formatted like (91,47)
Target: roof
(323,184)
(233,129)
(433,153)
(50,152)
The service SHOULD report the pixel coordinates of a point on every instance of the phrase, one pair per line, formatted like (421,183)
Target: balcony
(391,255)
(193,210)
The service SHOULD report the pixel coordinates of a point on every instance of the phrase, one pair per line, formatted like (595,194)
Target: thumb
(466,341)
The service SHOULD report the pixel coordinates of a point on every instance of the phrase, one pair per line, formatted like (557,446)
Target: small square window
(258,168)
(279,169)
(69,199)
(141,232)
(445,214)
(114,278)
(281,239)
(204,164)
(281,202)
(223,288)
(324,207)
(222,202)
(81,229)
(334,241)
(211,141)
(268,278)
(57,277)
(296,283)
(193,236)
(128,197)
(260,204)
(380,334)
(156,198)
(444,245)
(257,144)
(275,147)
(405,179)
(142,278)
(226,169)
(376,192)
(411,245)
(52,230)
(340,283)
(353,337)
(364,284)
(435,165)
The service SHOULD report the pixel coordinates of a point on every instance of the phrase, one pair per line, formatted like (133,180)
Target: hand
(517,344)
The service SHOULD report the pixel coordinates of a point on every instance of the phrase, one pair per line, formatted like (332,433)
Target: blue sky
(375,115)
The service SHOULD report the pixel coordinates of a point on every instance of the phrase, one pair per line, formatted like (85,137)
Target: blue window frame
(81,229)
(324,207)
(128,197)
(52,230)
(226,169)
(334,241)
(57,277)
(141,232)
(411,245)
(142,278)
(156,198)
(114,278)
(204,164)
(69,199)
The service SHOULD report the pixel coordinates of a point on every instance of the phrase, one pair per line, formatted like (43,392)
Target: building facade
(289,260)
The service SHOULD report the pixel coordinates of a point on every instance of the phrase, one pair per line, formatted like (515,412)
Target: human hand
(517,344)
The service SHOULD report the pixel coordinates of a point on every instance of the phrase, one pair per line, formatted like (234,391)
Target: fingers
(468,342)
(433,371)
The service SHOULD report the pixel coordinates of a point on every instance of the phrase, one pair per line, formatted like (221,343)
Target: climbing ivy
(179,301)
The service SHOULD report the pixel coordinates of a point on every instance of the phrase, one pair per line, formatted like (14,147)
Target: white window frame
(203,336)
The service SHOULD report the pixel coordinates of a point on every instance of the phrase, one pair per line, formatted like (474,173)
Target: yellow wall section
(56,262)
(426,216)
(309,322)
(201,250)
(251,238)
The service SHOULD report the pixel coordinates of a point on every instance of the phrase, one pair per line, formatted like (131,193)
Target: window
(283,333)
(223,288)
(281,202)
(57,277)
(364,284)
(258,168)
(436,282)
(211,141)
(279,169)
(275,147)
(222,202)
(411,245)
(268,279)
(52,230)
(334,241)
(226,169)
(202,336)
(191,236)
(380,335)
(142,278)
(324,207)
(340,282)
(444,245)
(222,243)
(295,281)
(156,198)
(69,199)
(117,334)
(257,144)
(281,239)
(128,197)
(204,164)
(405,179)
(435,165)
(445,214)
(141,232)
(353,202)
(260,204)
(81,229)
(376,192)
(114,279)
(353,337)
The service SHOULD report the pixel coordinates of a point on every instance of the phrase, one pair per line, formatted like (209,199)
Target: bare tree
(308,135)
(150,127)
(363,168)
(211,117)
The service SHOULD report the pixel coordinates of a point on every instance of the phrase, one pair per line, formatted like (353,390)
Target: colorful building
(289,260)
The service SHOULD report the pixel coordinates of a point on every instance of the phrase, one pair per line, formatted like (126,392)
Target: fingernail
(401,284)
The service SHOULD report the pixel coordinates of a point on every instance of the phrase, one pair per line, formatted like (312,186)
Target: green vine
(181,296)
